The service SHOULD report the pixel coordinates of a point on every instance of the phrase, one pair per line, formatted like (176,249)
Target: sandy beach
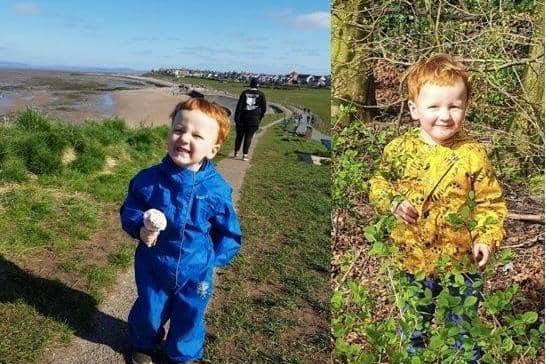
(146,107)
(75,97)
(78,97)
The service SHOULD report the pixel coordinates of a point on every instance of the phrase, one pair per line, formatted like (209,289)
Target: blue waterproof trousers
(185,306)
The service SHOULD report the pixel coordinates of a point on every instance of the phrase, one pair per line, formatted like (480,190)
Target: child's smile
(193,138)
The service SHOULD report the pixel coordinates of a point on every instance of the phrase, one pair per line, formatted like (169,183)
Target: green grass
(272,304)
(318,100)
(269,118)
(61,245)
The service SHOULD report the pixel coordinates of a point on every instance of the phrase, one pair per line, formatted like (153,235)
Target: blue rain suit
(174,278)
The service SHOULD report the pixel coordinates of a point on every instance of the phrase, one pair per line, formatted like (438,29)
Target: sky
(236,35)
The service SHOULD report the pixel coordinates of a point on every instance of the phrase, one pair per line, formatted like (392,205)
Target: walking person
(248,114)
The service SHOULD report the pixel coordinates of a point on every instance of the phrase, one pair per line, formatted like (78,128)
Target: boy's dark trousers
(418,338)
(246,132)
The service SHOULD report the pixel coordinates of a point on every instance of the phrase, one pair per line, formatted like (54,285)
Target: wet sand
(77,97)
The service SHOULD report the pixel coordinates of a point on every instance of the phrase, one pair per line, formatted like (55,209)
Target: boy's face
(440,110)
(193,137)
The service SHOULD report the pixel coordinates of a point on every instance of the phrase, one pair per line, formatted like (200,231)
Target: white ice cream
(154,220)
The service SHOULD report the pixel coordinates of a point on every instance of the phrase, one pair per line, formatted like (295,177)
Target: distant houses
(293,78)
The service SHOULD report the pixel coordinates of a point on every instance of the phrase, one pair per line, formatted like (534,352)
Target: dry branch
(537,218)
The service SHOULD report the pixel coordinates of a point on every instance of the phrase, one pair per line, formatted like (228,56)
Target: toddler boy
(435,171)
(174,267)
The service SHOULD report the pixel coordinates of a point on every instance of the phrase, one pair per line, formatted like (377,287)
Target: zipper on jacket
(182,231)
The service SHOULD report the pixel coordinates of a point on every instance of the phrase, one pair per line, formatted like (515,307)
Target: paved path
(107,343)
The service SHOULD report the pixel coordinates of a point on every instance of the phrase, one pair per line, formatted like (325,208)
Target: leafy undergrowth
(62,244)
(272,304)
(369,292)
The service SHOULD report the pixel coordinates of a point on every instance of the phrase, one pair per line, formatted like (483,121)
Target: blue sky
(261,36)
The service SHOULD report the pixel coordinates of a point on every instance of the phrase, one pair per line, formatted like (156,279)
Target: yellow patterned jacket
(437,180)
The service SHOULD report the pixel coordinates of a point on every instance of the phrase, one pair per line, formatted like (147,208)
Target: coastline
(76,98)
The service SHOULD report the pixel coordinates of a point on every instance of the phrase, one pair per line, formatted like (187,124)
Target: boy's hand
(483,250)
(406,212)
(148,237)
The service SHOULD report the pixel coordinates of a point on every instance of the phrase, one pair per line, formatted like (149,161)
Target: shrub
(39,155)
(32,120)
(90,157)
(109,132)
(143,140)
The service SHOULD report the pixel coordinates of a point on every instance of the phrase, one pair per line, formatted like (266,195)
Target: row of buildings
(293,78)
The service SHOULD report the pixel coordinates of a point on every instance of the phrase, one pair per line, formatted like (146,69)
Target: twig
(395,293)
(356,103)
(351,266)
(526,244)
(538,218)
(520,62)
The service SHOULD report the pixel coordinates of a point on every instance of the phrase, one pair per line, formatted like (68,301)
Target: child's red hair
(208,108)
(440,69)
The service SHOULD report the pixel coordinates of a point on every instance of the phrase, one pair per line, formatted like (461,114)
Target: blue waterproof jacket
(202,231)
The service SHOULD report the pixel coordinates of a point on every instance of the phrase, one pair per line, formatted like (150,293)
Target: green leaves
(370,233)
(529,317)
(337,301)
(470,301)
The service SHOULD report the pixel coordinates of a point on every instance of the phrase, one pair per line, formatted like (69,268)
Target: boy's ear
(213,151)
(413,110)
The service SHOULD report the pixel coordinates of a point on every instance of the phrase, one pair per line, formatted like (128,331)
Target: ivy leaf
(453,331)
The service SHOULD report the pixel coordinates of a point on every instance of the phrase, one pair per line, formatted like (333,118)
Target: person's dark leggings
(246,132)
(418,338)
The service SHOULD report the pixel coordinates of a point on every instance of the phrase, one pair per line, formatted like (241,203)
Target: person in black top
(248,114)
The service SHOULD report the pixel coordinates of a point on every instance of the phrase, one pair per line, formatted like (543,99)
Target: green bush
(31,120)
(356,150)
(144,140)
(90,157)
(40,156)
(110,131)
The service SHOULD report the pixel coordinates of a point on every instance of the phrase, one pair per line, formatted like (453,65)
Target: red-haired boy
(433,173)
(174,267)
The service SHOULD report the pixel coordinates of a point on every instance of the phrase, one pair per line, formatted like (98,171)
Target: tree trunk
(533,80)
(352,79)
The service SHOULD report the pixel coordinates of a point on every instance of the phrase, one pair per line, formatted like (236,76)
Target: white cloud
(280,13)
(26,8)
(313,21)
